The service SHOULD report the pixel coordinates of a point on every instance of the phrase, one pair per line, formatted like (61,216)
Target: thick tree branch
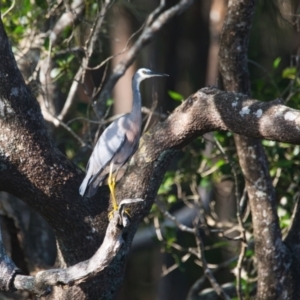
(210,109)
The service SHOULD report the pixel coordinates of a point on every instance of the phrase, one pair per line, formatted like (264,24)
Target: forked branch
(41,284)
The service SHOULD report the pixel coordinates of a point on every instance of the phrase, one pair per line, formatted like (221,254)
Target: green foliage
(289,73)
(63,67)
(21,18)
(109,102)
(175,96)
(276,63)
(283,158)
(170,237)
(195,168)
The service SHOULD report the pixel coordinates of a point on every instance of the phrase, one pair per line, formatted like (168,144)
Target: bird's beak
(158,74)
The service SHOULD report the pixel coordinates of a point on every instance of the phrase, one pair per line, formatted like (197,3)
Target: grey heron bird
(117,144)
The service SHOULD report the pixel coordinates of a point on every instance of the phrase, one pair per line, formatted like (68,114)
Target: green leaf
(276,62)
(70,58)
(170,236)
(296,150)
(268,143)
(289,73)
(205,182)
(171,199)
(249,253)
(285,223)
(41,3)
(109,102)
(175,96)
(220,163)
(70,153)
(19,29)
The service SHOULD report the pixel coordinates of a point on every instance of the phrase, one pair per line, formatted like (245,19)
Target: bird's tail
(90,185)
(83,186)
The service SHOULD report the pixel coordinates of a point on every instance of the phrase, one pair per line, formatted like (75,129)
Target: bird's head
(144,73)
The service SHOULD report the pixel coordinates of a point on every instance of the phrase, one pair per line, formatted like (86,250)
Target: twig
(94,35)
(266,72)
(55,120)
(173,219)
(198,285)
(154,104)
(73,50)
(240,223)
(239,270)
(208,273)
(9,9)
(71,15)
(152,27)
(117,54)
(90,46)
(157,229)
(167,271)
(147,111)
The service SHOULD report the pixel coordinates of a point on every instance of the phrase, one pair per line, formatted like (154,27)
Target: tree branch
(41,283)
(210,109)
(272,257)
(70,17)
(90,48)
(208,273)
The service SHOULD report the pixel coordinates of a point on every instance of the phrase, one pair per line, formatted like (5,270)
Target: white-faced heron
(117,144)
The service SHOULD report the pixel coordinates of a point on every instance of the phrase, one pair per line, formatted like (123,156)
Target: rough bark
(273,258)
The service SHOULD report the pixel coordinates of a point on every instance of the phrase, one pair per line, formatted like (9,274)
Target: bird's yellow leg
(112,186)
(127,211)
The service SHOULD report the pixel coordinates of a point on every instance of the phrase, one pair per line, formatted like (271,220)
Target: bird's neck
(137,99)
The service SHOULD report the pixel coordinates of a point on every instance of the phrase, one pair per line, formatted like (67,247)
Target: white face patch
(258,113)
(245,111)
(289,116)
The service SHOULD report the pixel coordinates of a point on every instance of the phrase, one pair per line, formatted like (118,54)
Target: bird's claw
(120,210)
(123,212)
(111,214)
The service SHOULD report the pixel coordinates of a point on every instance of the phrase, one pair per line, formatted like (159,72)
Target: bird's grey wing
(107,146)
(100,176)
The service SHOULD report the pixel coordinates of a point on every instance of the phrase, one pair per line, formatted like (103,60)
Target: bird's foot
(123,212)
(116,209)
(111,213)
